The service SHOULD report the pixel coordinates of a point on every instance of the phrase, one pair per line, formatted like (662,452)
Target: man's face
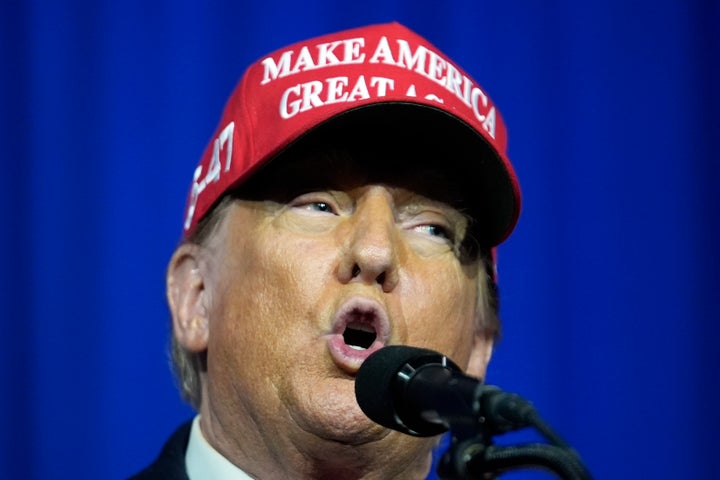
(324,261)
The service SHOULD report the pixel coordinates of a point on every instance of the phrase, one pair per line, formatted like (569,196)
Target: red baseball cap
(379,71)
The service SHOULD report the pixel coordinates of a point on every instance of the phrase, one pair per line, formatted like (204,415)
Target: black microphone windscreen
(377,391)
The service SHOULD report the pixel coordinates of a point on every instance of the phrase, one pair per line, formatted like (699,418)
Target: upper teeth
(363,327)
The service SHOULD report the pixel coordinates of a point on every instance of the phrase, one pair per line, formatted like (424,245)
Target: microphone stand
(477,458)
(472,454)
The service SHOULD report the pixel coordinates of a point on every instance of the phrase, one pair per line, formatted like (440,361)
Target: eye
(435,230)
(314,202)
(319,207)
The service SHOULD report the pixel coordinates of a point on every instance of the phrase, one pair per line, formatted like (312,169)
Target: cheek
(441,311)
(269,289)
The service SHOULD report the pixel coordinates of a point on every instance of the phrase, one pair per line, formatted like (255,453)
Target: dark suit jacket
(170,464)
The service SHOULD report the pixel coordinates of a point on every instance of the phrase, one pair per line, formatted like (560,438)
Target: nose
(371,245)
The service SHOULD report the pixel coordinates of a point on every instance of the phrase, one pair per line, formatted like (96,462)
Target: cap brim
(417,133)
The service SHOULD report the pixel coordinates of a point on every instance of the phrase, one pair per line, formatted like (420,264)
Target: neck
(391,455)
(365,462)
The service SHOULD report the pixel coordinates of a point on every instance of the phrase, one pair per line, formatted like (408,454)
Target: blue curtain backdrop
(610,284)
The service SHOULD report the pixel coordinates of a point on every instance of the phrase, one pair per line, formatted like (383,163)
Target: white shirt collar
(203,462)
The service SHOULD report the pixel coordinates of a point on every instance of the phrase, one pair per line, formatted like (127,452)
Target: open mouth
(360,327)
(359,336)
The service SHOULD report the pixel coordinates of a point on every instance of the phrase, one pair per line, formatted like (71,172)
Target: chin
(330,412)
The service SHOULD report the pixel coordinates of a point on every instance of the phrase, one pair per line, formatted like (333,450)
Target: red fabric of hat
(358,72)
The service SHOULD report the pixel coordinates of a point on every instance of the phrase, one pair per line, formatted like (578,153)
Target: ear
(187,297)
(480,355)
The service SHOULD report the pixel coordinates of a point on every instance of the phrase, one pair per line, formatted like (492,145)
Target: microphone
(423,393)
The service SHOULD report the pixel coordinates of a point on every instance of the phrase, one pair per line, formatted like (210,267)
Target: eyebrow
(416,203)
(413,201)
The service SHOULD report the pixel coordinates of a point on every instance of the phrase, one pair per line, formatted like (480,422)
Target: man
(351,199)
